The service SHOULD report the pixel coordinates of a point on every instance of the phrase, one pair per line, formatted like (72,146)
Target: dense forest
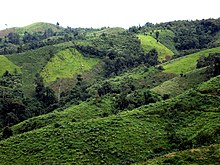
(147,95)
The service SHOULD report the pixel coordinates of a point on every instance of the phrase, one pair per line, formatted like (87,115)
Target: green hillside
(32,62)
(126,138)
(65,64)
(166,37)
(149,43)
(7,65)
(179,84)
(187,63)
(37,27)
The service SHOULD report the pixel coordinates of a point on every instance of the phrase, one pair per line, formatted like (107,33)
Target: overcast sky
(99,13)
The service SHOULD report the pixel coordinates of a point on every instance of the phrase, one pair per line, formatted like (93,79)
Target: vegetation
(149,43)
(8,66)
(65,64)
(187,63)
(110,139)
(146,95)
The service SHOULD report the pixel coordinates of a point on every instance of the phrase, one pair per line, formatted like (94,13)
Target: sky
(100,13)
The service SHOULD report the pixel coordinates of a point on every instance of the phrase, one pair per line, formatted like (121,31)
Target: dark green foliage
(189,35)
(212,62)
(135,99)
(119,52)
(76,95)
(44,94)
(13,38)
(7,132)
(151,58)
(157,35)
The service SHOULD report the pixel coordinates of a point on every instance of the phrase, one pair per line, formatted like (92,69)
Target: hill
(35,27)
(148,43)
(65,64)
(31,63)
(124,138)
(99,96)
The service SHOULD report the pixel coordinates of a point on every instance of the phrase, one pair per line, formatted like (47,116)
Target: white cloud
(98,13)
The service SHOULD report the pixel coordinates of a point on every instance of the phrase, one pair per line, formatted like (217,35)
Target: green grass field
(149,43)
(187,63)
(65,64)
(178,85)
(6,64)
(129,137)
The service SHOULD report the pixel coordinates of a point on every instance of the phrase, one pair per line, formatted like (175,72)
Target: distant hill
(35,27)
(38,27)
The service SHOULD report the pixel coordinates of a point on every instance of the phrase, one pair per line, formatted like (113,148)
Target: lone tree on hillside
(157,35)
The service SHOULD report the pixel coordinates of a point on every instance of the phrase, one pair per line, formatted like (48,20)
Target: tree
(157,35)
(151,57)
(13,38)
(7,132)
(39,89)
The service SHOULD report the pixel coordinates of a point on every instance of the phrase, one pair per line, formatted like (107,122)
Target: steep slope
(177,124)
(32,62)
(65,64)
(149,43)
(179,84)
(187,63)
(7,65)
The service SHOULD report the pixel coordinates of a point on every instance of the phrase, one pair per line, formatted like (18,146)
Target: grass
(166,38)
(129,137)
(6,64)
(65,64)
(107,31)
(32,62)
(201,155)
(187,63)
(149,43)
(78,113)
(37,27)
(179,84)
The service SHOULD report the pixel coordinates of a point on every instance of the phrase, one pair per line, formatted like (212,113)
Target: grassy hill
(6,64)
(187,63)
(65,64)
(149,43)
(32,62)
(179,84)
(126,138)
(37,27)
